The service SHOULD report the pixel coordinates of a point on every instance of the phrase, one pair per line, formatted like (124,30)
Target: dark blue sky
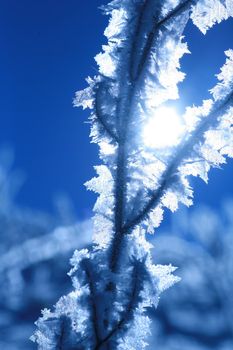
(46,51)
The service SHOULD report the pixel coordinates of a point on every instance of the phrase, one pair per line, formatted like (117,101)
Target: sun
(164,129)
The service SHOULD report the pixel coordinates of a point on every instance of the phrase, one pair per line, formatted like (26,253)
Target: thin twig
(130,308)
(94,310)
(181,154)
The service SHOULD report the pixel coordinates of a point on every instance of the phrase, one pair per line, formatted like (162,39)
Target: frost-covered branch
(85,265)
(139,71)
(133,303)
(152,35)
(103,118)
(183,152)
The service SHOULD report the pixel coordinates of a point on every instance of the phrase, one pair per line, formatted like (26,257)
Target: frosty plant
(144,169)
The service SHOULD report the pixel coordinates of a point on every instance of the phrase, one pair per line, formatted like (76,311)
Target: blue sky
(47,50)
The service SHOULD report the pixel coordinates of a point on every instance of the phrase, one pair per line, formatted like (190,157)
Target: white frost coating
(85,98)
(102,183)
(206,13)
(225,77)
(193,114)
(103,231)
(170,200)
(164,274)
(116,24)
(135,337)
(155,219)
(106,148)
(105,61)
(218,140)
(77,257)
(170,75)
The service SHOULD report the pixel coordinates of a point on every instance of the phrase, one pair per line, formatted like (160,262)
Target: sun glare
(164,129)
